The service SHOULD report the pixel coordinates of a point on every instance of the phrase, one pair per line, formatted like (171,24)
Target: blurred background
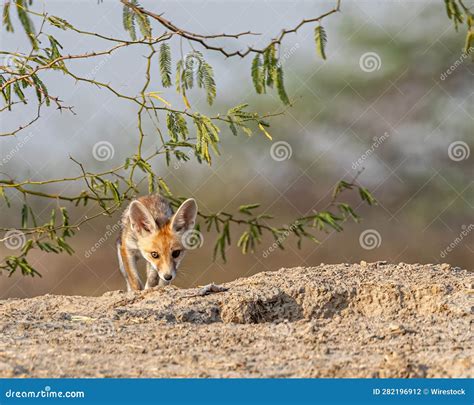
(395,97)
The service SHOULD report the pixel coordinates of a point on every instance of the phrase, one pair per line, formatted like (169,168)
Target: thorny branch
(201,39)
(110,189)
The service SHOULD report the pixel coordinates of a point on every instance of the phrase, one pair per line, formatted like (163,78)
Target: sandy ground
(367,320)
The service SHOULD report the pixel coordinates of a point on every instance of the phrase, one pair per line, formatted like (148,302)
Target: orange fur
(150,228)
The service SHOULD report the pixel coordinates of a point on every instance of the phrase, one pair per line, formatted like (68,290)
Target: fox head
(163,246)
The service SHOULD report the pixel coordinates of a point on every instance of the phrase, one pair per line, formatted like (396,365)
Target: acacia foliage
(183,134)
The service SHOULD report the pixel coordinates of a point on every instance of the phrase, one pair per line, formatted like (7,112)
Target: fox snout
(166,273)
(168,276)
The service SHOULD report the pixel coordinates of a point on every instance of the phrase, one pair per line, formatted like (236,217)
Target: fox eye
(176,253)
(155,255)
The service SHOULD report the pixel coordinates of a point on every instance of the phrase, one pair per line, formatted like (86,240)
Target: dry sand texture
(367,320)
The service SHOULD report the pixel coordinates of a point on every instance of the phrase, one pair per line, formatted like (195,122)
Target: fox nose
(167,277)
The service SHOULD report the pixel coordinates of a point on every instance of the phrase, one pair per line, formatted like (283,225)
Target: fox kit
(150,230)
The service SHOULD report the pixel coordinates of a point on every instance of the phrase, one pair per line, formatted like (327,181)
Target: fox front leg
(152,278)
(128,268)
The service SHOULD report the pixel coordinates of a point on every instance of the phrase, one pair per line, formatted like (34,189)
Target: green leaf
(6,17)
(143,23)
(366,196)
(246,209)
(164,187)
(341,186)
(195,68)
(321,39)
(469,41)
(59,22)
(257,74)
(165,64)
(128,20)
(22,10)
(41,90)
(243,241)
(281,87)
(24,216)
(19,92)
(177,126)
(270,65)
(207,136)
(206,74)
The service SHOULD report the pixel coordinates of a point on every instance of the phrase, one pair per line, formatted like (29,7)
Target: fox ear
(141,218)
(185,217)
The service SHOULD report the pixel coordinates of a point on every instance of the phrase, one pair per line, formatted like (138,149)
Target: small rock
(445,266)
(396,329)
(363,263)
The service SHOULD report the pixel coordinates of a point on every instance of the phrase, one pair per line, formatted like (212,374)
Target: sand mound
(369,320)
